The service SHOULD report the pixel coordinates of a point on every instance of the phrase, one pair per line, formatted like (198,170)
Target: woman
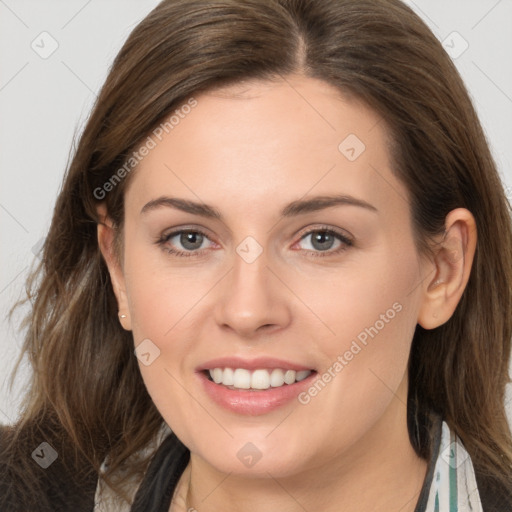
(278,276)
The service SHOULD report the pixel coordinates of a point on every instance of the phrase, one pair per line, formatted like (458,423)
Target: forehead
(256,144)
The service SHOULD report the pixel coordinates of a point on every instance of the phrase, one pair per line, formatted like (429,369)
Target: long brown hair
(86,383)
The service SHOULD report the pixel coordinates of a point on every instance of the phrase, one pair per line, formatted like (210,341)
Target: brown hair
(86,382)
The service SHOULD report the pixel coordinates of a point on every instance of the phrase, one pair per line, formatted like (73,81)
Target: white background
(45,101)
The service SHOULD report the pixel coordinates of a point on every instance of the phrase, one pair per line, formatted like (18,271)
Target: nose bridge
(251,297)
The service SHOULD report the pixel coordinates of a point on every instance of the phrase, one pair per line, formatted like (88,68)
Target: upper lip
(252,364)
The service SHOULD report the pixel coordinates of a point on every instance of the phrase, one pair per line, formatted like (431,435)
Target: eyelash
(346,242)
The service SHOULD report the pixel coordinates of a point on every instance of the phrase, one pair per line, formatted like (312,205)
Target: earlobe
(106,238)
(448,277)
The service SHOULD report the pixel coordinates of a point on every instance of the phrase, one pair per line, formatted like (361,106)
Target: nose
(252,301)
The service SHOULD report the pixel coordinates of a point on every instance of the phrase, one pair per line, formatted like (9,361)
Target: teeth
(227,376)
(277,378)
(240,378)
(217,375)
(289,376)
(260,379)
(302,375)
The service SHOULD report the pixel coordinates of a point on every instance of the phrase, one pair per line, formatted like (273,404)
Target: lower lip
(253,403)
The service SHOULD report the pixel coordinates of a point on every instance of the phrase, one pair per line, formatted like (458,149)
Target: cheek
(371,315)
(162,307)
(160,293)
(165,305)
(374,296)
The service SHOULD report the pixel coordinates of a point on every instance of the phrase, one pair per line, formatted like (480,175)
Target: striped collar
(452,481)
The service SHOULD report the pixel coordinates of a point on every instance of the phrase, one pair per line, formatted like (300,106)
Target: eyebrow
(298,207)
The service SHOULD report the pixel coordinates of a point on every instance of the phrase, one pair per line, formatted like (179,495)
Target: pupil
(324,240)
(189,240)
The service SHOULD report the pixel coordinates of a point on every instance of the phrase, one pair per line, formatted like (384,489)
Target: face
(302,269)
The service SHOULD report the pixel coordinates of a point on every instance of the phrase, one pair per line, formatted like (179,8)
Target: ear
(451,269)
(106,244)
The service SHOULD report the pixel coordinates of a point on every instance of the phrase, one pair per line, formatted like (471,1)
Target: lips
(253,387)
(252,364)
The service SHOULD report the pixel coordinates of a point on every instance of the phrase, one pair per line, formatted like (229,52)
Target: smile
(259,379)
(254,386)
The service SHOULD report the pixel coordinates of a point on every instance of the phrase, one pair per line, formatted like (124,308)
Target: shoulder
(475,489)
(453,478)
(493,495)
(37,472)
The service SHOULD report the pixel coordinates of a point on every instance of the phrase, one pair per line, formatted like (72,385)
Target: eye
(322,240)
(191,241)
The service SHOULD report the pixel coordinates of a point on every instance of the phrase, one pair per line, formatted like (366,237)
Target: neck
(380,473)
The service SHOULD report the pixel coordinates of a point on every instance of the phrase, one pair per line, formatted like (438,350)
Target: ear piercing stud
(121,316)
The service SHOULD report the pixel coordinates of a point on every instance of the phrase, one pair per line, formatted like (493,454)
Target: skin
(249,150)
